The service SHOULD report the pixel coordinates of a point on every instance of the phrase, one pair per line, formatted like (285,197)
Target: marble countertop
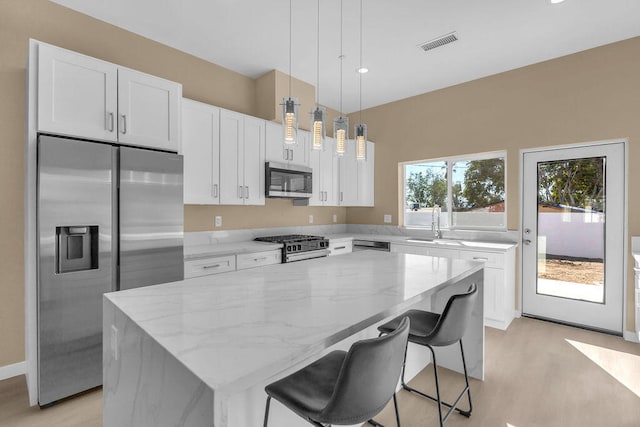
(233,248)
(235,330)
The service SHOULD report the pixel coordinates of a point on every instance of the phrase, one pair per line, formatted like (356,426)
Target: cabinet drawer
(491,259)
(339,248)
(258,259)
(207,266)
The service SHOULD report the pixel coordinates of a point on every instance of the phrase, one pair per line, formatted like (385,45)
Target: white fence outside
(573,234)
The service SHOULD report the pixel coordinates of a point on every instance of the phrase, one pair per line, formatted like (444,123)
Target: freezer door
(151,218)
(75,265)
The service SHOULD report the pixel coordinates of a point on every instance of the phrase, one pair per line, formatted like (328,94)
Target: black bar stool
(346,387)
(439,330)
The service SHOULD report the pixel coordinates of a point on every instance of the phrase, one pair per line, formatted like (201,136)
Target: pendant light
(360,130)
(319,113)
(341,123)
(290,104)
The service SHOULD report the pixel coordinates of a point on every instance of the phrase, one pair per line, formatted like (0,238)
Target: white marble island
(199,351)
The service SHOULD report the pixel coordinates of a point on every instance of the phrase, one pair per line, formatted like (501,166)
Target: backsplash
(243,235)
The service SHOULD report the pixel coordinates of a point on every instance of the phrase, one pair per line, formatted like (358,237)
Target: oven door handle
(307,255)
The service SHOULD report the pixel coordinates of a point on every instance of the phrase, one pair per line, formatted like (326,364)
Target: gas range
(296,247)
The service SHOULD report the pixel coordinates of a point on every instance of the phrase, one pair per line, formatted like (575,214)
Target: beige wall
(589,96)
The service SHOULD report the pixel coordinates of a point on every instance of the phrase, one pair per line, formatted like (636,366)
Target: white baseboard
(630,336)
(10,371)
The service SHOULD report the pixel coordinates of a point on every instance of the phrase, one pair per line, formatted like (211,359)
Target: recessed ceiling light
(362,70)
(556,1)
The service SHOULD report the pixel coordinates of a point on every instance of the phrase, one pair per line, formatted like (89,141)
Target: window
(466,192)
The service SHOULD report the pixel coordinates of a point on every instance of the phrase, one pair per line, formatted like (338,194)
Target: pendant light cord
(290,32)
(318,58)
(360,70)
(341,56)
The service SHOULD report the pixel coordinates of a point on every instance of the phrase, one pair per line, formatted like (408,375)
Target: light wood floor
(537,374)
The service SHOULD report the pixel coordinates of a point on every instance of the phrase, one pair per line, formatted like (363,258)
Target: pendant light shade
(341,134)
(290,120)
(360,133)
(317,125)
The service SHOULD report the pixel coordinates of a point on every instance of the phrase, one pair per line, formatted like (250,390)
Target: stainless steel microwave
(287,181)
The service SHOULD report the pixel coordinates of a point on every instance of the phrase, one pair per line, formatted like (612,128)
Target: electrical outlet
(335,218)
(387,219)
(218,221)
(114,342)
(310,219)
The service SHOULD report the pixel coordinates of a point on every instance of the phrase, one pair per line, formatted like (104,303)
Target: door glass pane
(571,228)
(425,187)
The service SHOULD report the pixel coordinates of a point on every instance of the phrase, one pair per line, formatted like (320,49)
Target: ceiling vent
(439,41)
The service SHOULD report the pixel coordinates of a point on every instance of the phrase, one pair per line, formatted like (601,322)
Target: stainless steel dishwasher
(374,245)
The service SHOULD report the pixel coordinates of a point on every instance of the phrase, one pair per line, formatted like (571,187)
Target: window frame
(449,162)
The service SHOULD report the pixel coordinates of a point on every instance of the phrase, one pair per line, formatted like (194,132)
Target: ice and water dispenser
(76,248)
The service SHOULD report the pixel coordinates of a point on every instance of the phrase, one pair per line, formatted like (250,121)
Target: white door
(573,234)
(148,110)
(201,151)
(254,147)
(275,150)
(77,95)
(329,175)
(231,166)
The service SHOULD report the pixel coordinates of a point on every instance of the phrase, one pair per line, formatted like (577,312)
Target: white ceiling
(252,37)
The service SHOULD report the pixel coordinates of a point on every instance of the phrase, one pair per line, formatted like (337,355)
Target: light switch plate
(335,218)
(218,221)
(310,219)
(387,218)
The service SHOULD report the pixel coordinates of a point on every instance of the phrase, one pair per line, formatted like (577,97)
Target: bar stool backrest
(367,379)
(454,319)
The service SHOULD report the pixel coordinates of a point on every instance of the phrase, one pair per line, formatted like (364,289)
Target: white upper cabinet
(201,151)
(325,175)
(148,110)
(348,181)
(77,94)
(242,157)
(366,177)
(297,154)
(85,97)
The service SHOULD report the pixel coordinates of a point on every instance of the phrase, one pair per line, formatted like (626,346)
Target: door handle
(124,124)
(110,125)
(341,196)
(246,191)
(240,192)
(285,153)
(214,190)
(291,155)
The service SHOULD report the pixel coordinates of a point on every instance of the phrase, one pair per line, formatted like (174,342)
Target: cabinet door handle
(260,259)
(240,192)
(110,125)
(341,196)
(246,189)
(204,267)
(337,248)
(124,124)
(214,190)
(481,258)
(285,153)
(291,155)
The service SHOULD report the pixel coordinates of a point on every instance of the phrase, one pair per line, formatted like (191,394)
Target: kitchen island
(200,351)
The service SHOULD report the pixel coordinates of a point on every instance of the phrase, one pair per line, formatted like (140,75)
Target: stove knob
(289,248)
(299,247)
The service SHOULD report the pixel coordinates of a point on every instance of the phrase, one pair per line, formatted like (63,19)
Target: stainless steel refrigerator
(109,218)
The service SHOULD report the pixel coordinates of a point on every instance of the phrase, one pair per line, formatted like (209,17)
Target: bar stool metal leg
(266,411)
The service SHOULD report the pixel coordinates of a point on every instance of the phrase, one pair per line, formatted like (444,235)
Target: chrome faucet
(435,221)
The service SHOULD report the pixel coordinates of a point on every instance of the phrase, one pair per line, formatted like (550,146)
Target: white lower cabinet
(499,278)
(258,259)
(340,247)
(210,265)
